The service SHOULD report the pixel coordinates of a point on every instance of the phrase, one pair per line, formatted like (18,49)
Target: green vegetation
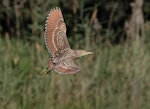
(115,77)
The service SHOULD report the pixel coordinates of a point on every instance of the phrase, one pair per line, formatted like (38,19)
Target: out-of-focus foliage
(26,18)
(115,77)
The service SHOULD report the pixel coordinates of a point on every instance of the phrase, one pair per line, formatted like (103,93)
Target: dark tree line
(25,19)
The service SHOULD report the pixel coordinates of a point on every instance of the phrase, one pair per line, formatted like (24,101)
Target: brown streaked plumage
(62,55)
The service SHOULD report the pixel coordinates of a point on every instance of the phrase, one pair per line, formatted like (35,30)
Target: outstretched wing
(66,66)
(55,33)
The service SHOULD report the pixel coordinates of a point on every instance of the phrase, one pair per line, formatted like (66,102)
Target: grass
(115,77)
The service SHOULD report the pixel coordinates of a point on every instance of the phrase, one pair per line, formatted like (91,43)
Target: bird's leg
(45,71)
(48,69)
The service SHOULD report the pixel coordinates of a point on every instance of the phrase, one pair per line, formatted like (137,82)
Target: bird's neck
(77,53)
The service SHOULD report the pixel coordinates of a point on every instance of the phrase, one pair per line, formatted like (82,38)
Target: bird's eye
(54,63)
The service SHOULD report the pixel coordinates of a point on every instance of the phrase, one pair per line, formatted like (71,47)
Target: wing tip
(52,10)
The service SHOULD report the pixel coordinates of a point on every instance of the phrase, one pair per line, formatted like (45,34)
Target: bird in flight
(62,56)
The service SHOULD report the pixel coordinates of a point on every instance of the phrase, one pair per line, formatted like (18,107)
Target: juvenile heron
(62,55)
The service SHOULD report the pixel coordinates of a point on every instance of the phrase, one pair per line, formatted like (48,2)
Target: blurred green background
(117,76)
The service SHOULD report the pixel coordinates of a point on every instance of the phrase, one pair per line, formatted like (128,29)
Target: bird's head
(80,53)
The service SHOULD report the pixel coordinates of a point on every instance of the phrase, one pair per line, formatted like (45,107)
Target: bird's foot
(45,71)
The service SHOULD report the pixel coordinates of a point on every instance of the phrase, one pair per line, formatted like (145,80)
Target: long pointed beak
(87,53)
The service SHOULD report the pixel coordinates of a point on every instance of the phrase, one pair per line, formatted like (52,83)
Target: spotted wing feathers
(55,32)
(67,66)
